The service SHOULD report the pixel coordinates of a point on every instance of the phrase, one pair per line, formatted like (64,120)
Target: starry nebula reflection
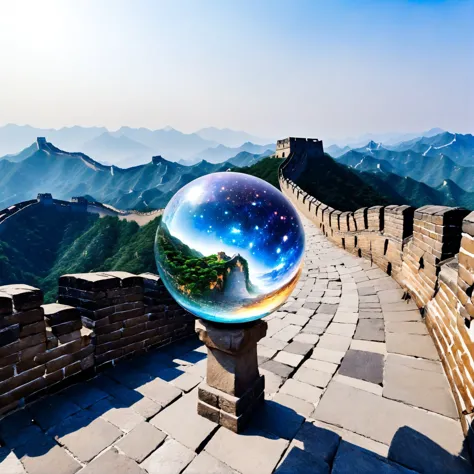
(229,247)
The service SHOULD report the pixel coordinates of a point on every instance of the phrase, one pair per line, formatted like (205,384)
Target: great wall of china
(77,204)
(429,251)
(102,318)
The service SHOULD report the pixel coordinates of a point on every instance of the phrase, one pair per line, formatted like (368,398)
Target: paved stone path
(353,385)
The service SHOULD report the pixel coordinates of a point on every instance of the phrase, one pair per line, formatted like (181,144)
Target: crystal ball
(229,247)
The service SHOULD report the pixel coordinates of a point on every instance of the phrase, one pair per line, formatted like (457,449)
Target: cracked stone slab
(141,441)
(363,365)
(288,358)
(301,390)
(413,385)
(400,316)
(170,458)
(299,406)
(181,421)
(328,355)
(380,418)
(359,383)
(320,365)
(42,462)
(407,327)
(114,462)
(205,463)
(85,436)
(313,377)
(262,450)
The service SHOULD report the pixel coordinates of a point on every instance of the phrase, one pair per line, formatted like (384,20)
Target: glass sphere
(229,247)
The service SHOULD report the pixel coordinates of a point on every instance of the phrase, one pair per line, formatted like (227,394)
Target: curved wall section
(430,252)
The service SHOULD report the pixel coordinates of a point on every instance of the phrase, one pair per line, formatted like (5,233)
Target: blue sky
(274,68)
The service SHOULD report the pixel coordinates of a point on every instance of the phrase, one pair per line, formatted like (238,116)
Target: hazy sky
(322,68)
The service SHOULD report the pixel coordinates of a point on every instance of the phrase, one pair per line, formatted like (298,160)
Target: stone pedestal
(234,386)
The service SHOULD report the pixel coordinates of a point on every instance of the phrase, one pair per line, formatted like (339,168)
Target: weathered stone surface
(53,410)
(262,451)
(380,418)
(84,436)
(401,316)
(50,459)
(9,462)
(302,390)
(319,443)
(412,345)
(370,330)
(363,365)
(181,421)
(406,327)
(205,463)
(113,462)
(170,458)
(288,358)
(320,365)
(299,406)
(160,392)
(336,343)
(313,377)
(354,438)
(141,441)
(303,338)
(341,329)
(186,382)
(278,368)
(327,355)
(359,383)
(296,461)
(299,348)
(350,459)
(369,346)
(277,419)
(415,386)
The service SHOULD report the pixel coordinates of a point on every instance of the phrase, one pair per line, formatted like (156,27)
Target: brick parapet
(430,252)
(100,319)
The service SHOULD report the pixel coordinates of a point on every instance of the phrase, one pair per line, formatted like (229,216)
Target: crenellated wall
(100,318)
(430,252)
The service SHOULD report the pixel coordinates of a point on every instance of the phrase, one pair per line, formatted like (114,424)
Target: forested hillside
(41,247)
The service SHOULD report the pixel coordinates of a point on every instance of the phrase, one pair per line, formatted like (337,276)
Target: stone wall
(430,252)
(100,319)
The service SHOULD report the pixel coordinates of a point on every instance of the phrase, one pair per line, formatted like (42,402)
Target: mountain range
(129,146)
(430,160)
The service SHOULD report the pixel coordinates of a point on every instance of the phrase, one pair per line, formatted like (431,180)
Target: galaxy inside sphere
(229,247)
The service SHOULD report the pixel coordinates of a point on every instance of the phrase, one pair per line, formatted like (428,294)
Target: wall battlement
(100,319)
(430,252)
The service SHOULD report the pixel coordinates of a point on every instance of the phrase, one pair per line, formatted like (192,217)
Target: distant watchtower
(292,144)
(41,142)
(45,198)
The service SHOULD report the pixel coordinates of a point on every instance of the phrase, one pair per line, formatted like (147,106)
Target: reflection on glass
(229,247)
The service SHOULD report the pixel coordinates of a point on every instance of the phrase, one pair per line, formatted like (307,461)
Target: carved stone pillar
(234,386)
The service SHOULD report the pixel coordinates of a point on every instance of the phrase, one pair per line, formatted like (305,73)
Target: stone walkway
(353,385)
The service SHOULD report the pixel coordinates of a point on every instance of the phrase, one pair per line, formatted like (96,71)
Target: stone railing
(430,252)
(100,318)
